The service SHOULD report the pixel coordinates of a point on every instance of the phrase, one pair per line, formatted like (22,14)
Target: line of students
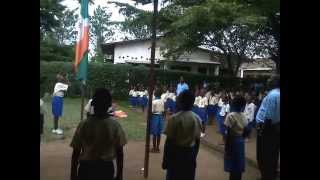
(95,150)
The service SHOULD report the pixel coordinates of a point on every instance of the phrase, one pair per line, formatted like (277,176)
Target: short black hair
(185,100)
(238,103)
(101,101)
(158,93)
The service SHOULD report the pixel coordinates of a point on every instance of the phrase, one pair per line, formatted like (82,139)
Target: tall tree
(50,13)
(101,30)
(66,33)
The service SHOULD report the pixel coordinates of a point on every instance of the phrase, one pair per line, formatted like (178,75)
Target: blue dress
(202,113)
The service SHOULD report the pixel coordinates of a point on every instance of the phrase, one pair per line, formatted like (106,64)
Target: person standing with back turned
(183,140)
(268,127)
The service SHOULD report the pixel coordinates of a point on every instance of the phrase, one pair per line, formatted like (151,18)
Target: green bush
(118,77)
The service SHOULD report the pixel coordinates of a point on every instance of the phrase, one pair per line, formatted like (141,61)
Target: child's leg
(55,122)
(154,143)
(235,176)
(158,143)
(203,126)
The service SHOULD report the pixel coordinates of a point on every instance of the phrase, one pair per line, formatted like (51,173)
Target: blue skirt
(144,101)
(57,106)
(134,101)
(195,109)
(156,124)
(171,105)
(212,109)
(202,113)
(221,126)
(235,162)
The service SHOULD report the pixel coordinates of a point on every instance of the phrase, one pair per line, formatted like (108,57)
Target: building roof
(259,64)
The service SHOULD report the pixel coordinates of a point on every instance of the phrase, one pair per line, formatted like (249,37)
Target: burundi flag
(82,44)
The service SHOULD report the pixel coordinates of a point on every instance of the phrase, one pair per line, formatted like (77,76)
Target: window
(181,68)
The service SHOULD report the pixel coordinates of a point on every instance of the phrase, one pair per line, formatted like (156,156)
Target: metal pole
(82,99)
(151,87)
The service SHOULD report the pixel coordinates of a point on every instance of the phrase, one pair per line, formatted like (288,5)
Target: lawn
(134,125)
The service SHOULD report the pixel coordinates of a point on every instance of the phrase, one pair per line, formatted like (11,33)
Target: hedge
(118,77)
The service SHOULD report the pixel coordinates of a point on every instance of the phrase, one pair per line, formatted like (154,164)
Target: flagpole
(82,98)
(151,88)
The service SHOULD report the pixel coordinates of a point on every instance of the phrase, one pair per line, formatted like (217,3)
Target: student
(144,99)
(195,107)
(134,98)
(171,101)
(157,121)
(225,109)
(235,122)
(249,111)
(60,89)
(202,111)
(98,140)
(212,105)
(131,96)
(183,140)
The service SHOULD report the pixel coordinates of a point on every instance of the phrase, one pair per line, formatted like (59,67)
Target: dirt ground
(55,158)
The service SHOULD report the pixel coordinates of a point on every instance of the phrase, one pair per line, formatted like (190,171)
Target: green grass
(134,125)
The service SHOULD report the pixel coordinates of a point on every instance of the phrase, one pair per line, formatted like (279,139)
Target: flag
(82,44)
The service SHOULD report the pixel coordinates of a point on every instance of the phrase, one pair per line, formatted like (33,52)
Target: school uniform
(234,160)
(157,120)
(130,97)
(171,102)
(202,109)
(195,107)
(225,109)
(181,146)
(139,98)
(57,100)
(212,106)
(135,98)
(164,98)
(145,98)
(97,138)
(249,112)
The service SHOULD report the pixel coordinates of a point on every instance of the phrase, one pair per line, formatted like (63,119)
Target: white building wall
(139,52)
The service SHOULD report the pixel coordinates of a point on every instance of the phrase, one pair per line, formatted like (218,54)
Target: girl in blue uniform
(225,109)
(235,122)
(157,121)
(131,96)
(134,97)
(171,101)
(202,110)
(144,100)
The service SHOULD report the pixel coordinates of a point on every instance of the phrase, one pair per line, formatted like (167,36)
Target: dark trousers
(268,150)
(96,170)
(235,176)
(181,173)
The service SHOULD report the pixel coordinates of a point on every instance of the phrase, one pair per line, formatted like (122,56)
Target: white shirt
(197,100)
(220,103)
(134,93)
(164,96)
(203,102)
(172,96)
(141,93)
(213,100)
(208,94)
(249,111)
(60,87)
(224,109)
(131,92)
(157,106)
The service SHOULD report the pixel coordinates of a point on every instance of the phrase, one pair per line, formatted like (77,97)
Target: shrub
(118,77)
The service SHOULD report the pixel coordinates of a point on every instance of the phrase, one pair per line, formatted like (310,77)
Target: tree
(137,21)
(221,26)
(50,13)
(101,30)
(66,33)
